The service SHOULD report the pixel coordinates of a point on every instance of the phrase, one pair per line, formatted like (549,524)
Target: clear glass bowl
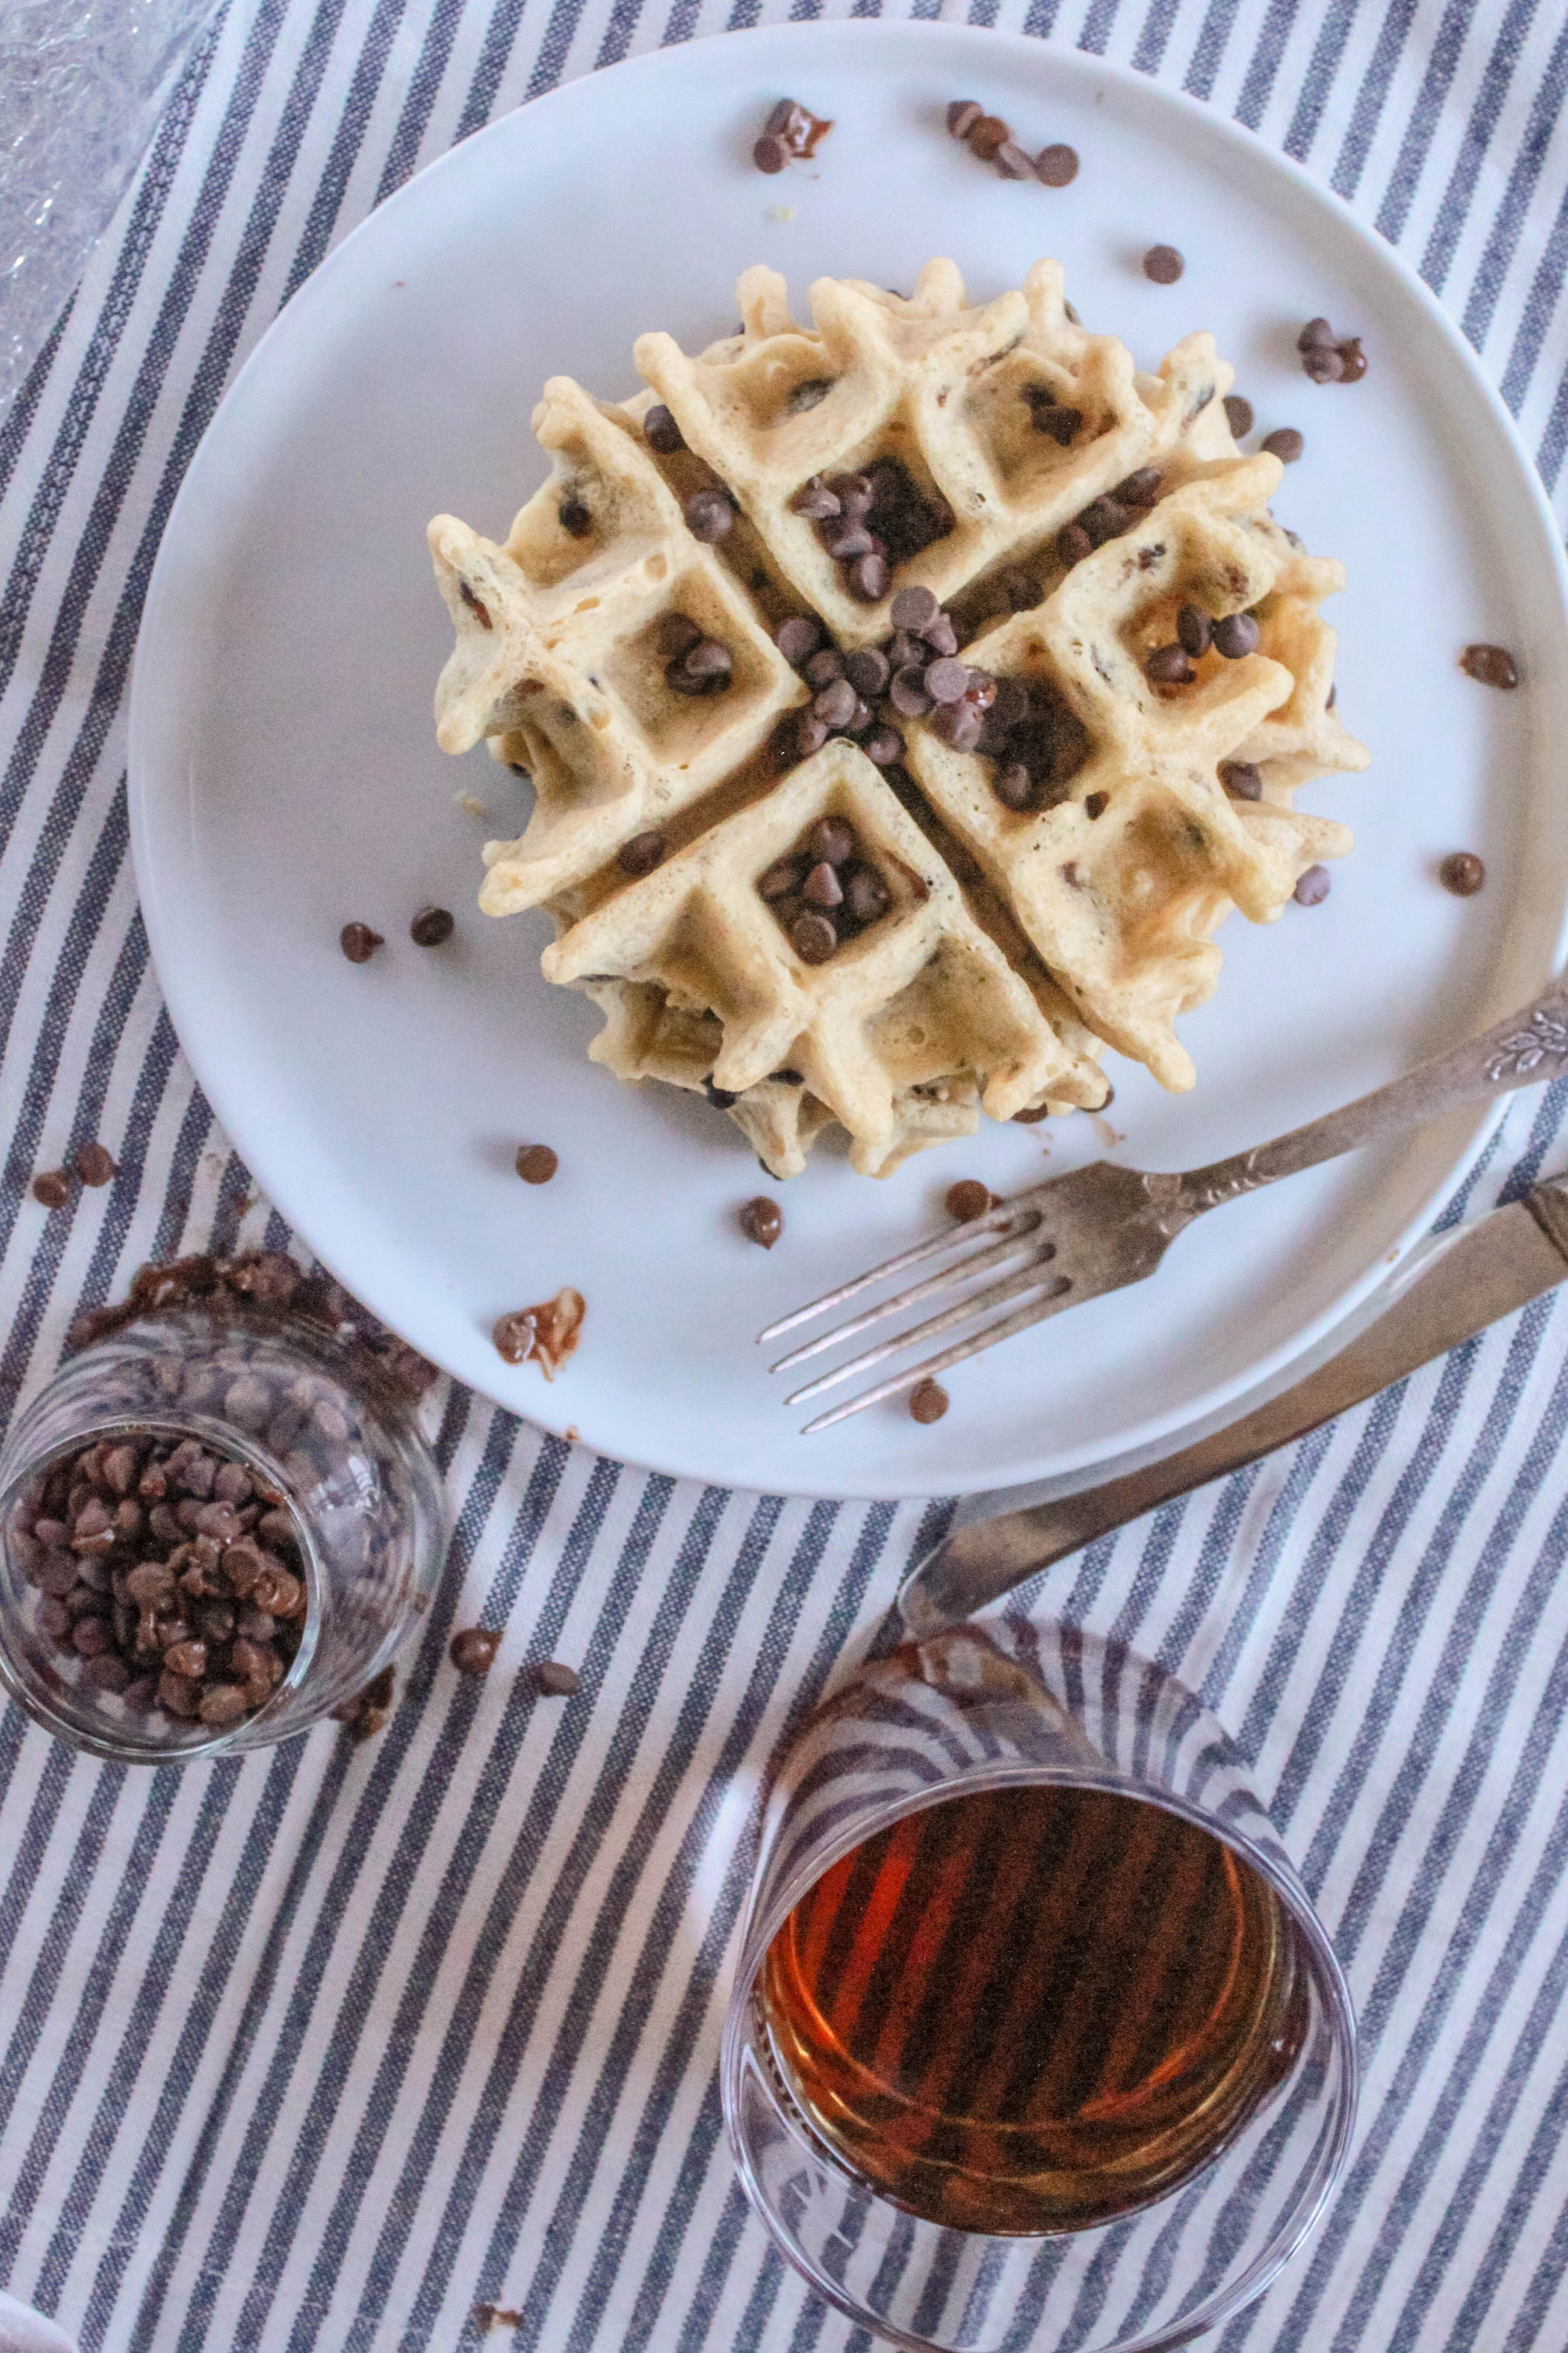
(309,1413)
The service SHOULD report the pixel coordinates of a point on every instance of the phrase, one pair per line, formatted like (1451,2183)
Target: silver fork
(1098,1228)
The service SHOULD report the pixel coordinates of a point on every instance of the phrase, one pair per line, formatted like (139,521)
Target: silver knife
(1496,1266)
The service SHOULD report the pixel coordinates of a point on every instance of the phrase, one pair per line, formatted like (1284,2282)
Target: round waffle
(829,659)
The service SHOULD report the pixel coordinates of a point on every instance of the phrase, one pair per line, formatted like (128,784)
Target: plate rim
(1078,1465)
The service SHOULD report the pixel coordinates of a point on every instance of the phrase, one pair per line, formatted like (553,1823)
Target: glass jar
(322,1436)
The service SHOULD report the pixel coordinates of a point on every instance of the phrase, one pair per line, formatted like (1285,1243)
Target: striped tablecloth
(326,2048)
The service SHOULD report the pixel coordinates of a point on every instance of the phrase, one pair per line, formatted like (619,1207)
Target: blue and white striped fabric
(326,2048)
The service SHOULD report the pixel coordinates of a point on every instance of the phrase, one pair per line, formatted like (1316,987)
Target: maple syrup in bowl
(1035,2037)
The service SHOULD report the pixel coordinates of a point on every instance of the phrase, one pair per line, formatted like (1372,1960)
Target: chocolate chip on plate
(762,1221)
(557,1681)
(432,927)
(1014,162)
(1057,165)
(359,942)
(968,1198)
(1164,265)
(1284,443)
(95,1166)
(537,1163)
(929,1401)
(1312,889)
(769,154)
(1494,666)
(472,1651)
(641,853)
(987,134)
(1462,873)
(962,115)
(1239,414)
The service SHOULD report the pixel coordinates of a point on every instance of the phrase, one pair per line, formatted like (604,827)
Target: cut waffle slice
(1119,885)
(947,393)
(559,659)
(920,999)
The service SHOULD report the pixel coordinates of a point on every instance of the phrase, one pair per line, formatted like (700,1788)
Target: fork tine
(995,1222)
(978,1262)
(1003,1329)
(996,1294)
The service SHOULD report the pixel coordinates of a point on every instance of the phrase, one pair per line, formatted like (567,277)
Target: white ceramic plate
(284,776)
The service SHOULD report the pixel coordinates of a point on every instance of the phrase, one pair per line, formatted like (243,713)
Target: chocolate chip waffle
(906,699)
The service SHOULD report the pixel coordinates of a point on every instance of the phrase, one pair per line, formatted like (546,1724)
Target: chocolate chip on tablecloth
(1312,887)
(1057,165)
(537,1163)
(1053,417)
(929,1401)
(359,942)
(556,1681)
(762,1222)
(52,1187)
(1492,665)
(95,1166)
(1284,443)
(1163,265)
(472,1650)
(1462,873)
(642,854)
(432,927)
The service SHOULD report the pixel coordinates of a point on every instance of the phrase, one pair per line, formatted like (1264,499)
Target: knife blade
(1499,1263)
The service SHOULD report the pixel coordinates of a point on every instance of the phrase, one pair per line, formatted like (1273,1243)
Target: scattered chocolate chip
(1032,1116)
(1312,887)
(576,518)
(929,1401)
(832,838)
(556,1681)
(1095,804)
(962,115)
(721,1097)
(782,879)
(537,1163)
(866,895)
(661,432)
(868,670)
(1194,631)
(945,680)
(1164,265)
(709,516)
(1236,635)
(1013,785)
(907,694)
(1242,779)
(1014,162)
(472,1651)
(1352,360)
(432,927)
(824,667)
(762,1222)
(1239,414)
(1322,364)
(968,1198)
(95,1167)
(822,888)
(798,639)
(1494,666)
(835,703)
(641,853)
(476,605)
(677,634)
(1057,167)
(1462,873)
(958,725)
(359,942)
(914,608)
(985,134)
(815,501)
(1074,543)
(1314,335)
(1284,443)
(813,938)
(1141,489)
(1062,424)
(884,746)
(769,154)
(1169,666)
(53,1189)
(867,579)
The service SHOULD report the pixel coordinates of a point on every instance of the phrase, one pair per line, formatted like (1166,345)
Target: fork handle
(1527,1047)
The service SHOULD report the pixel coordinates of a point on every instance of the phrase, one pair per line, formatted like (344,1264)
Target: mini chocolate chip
(1492,665)
(641,853)
(958,725)
(1236,635)
(1168,666)
(472,1651)
(822,888)
(868,670)
(1193,631)
(846,538)
(1352,360)
(798,639)
(1316,333)
(677,634)
(940,635)
(1312,889)
(576,518)
(359,942)
(867,578)
(1164,265)
(907,694)
(1062,424)
(866,894)
(556,1681)
(1239,414)
(832,838)
(537,1163)
(1322,364)
(762,1222)
(1031,1118)
(824,667)
(709,516)
(1014,162)
(1104,519)
(1462,873)
(1013,785)
(1141,488)
(815,501)
(1095,804)
(968,1198)
(813,938)
(53,1189)
(770,154)
(432,927)
(710,661)
(1057,167)
(1074,543)
(834,705)
(1021,589)
(987,134)
(805,734)
(95,1167)
(661,432)
(1242,779)
(883,746)
(946,680)
(929,1401)
(1284,443)
(962,115)
(855,492)
(782,879)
